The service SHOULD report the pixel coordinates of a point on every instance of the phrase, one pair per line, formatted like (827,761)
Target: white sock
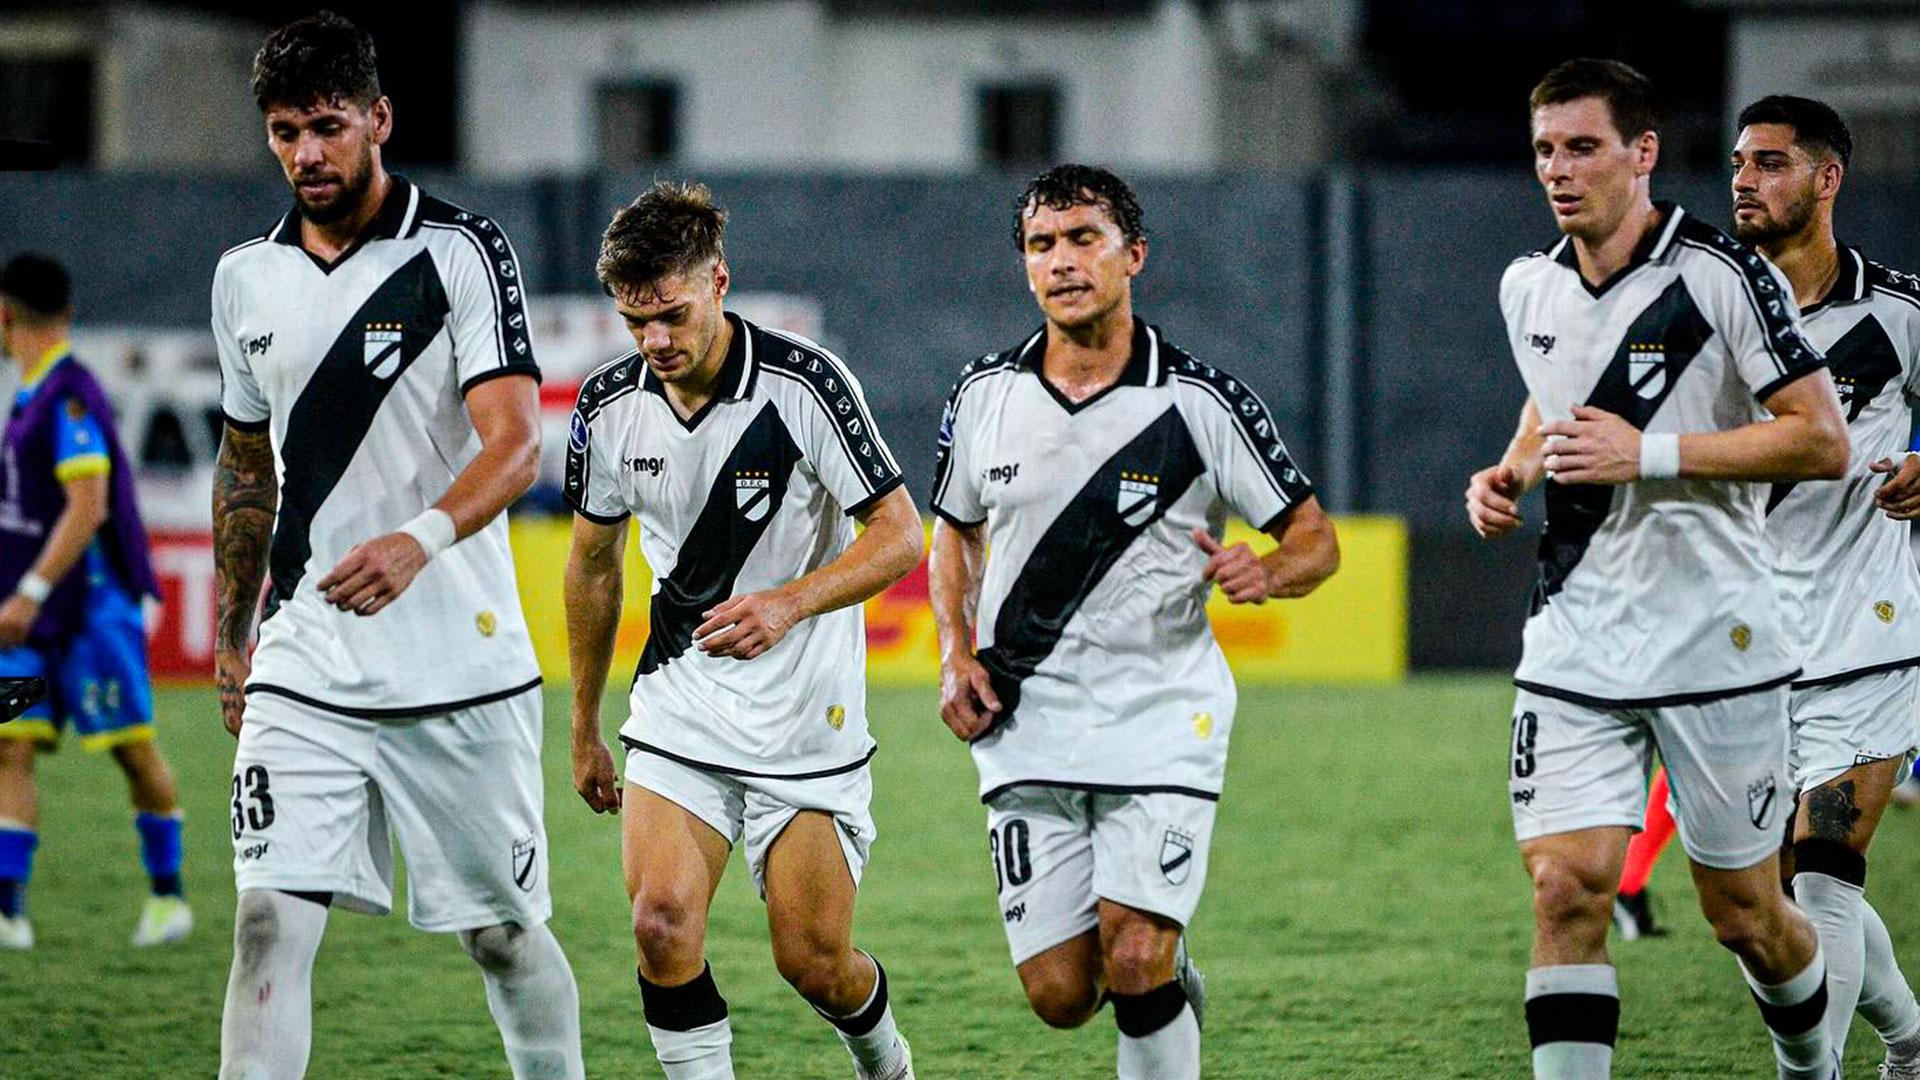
(1573,1016)
(1834,907)
(869,1033)
(688,1024)
(266,1031)
(1795,1012)
(1159,1037)
(532,996)
(1886,999)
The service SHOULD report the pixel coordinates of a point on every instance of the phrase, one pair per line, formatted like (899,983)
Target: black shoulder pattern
(496,253)
(1771,305)
(607,384)
(1253,421)
(1896,283)
(828,382)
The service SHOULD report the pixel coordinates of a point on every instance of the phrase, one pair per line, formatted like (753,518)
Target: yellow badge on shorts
(836,716)
(1741,635)
(1203,725)
(486,622)
(1884,609)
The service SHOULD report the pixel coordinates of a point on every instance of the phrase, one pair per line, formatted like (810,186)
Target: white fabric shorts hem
(1838,726)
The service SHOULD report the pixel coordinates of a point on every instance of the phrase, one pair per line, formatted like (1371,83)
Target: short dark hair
(1814,123)
(1629,95)
(322,58)
(670,228)
(1065,186)
(37,283)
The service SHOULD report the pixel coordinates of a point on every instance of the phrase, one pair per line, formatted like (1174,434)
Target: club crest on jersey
(1135,501)
(1647,369)
(753,493)
(1176,856)
(381,349)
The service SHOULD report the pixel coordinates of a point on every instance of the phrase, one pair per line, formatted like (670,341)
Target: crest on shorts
(1760,799)
(1647,369)
(526,864)
(1138,492)
(1741,635)
(753,492)
(1883,610)
(381,349)
(1176,856)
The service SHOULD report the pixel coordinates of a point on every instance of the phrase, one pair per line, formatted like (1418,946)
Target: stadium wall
(915,275)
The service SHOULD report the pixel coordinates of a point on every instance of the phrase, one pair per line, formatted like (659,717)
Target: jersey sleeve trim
(1786,380)
(1265,447)
(852,405)
(956,522)
(974,371)
(251,427)
(502,272)
(597,519)
(886,488)
(1783,341)
(530,370)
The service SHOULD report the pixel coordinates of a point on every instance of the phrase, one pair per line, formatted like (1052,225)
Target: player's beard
(354,185)
(1774,226)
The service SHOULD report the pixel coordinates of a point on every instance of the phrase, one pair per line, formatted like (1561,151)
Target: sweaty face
(328,152)
(1079,264)
(1590,173)
(1774,184)
(675,319)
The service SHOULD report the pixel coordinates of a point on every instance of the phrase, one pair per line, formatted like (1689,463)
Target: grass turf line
(1366,916)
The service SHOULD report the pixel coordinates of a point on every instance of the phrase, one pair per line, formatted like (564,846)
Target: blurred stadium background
(1332,188)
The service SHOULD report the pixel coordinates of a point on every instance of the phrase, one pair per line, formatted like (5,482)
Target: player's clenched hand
(373,574)
(593,775)
(967,701)
(1237,570)
(1900,495)
(16,619)
(1491,505)
(1595,447)
(230,670)
(747,625)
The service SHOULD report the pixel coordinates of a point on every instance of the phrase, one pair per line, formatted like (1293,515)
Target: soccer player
(1846,561)
(1649,343)
(74,571)
(746,454)
(381,413)
(1083,482)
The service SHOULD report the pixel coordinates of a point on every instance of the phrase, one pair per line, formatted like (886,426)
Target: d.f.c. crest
(753,493)
(1761,795)
(1647,369)
(381,349)
(1136,497)
(1176,856)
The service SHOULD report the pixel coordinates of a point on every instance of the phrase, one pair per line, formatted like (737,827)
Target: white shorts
(760,807)
(315,794)
(1839,725)
(1574,767)
(1058,851)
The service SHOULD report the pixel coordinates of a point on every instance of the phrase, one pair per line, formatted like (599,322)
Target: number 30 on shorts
(1012,865)
(251,787)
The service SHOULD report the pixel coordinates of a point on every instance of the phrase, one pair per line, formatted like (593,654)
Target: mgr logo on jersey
(1176,856)
(1647,369)
(1135,501)
(381,348)
(753,493)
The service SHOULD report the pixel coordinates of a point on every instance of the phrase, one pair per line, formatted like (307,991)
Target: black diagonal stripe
(1862,363)
(1672,323)
(1078,549)
(1170,867)
(717,546)
(335,409)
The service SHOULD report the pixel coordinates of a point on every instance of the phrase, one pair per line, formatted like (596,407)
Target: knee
(497,949)
(665,924)
(811,967)
(256,929)
(1136,961)
(1742,923)
(1062,1002)
(1569,901)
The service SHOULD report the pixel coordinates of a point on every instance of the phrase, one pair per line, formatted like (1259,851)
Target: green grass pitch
(1366,917)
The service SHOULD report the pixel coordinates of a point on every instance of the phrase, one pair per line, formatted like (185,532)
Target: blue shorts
(96,680)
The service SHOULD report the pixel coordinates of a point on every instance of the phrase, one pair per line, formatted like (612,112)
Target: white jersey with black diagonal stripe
(755,490)
(358,370)
(1092,618)
(1849,575)
(1657,591)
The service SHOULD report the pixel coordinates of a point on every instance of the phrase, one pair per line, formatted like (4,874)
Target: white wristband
(34,587)
(433,529)
(1660,456)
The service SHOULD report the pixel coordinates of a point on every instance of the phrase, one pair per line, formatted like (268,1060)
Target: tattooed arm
(245,493)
